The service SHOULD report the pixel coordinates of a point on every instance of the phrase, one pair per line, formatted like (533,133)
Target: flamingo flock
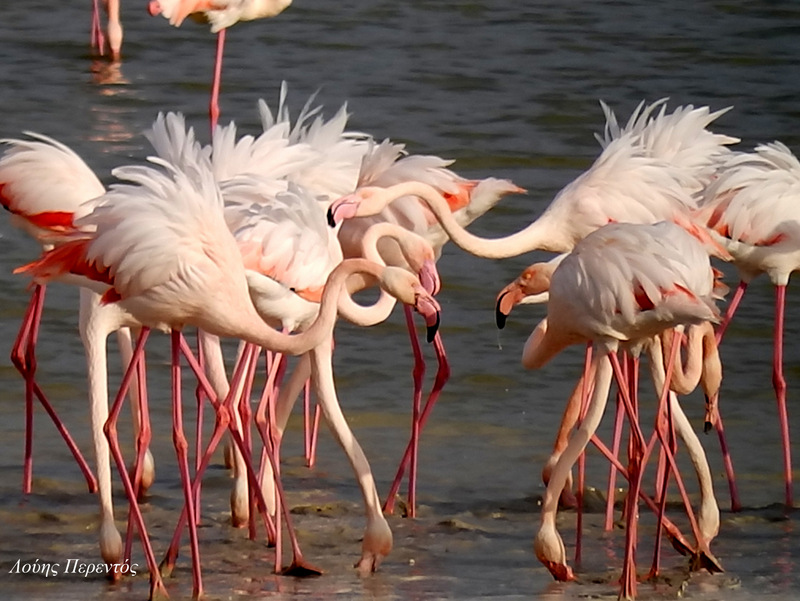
(265,238)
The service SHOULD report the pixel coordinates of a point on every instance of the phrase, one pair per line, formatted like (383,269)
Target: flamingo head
(361,203)
(406,288)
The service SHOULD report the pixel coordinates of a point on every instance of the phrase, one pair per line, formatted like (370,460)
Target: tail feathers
(68,258)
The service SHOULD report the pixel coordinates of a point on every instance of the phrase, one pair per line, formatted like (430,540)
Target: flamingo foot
(166,566)
(680,544)
(300,568)
(157,590)
(704,559)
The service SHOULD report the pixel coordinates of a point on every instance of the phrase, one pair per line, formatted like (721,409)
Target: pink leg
(410,456)
(662,492)
(110,429)
(265,420)
(97,37)
(198,441)
(223,421)
(181,451)
(213,108)
(731,310)
(636,459)
(23,356)
(585,394)
(779,383)
(736,505)
(314,435)
(308,434)
(612,472)
(142,443)
(678,540)
(442,375)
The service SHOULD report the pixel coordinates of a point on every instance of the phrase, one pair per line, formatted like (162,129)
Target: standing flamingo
(46,186)
(753,206)
(386,164)
(221,14)
(623,283)
(113,29)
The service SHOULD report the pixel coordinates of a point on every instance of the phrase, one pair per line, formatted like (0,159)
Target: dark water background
(507,89)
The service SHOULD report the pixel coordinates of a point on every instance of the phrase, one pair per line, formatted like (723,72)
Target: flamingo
(648,171)
(752,206)
(702,366)
(163,250)
(623,283)
(113,29)
(388,163)
(221,14)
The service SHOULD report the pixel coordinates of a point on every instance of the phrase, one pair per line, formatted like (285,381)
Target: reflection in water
(107,73)
(111,119)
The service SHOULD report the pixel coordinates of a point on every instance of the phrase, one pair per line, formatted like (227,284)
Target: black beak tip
(331,220)
(707,427)
(433,329)
(500,318)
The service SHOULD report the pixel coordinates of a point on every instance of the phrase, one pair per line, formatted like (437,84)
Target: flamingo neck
(542,234)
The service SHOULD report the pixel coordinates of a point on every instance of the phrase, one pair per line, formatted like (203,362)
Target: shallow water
(507,89)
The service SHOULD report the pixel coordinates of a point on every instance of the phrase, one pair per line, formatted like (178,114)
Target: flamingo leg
(418,373)
(731,310)
(612,471)
(142,443)
(582,457)
(223,421)
(98,41)
(779,383)
(548,545)
(266,429)
(736,504)
(213,107)
(110,429)
(181,451)
(419,418)
(23,356)
(198,440)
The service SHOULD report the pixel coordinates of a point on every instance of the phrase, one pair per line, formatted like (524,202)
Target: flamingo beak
(341,209)
(429,277)
(429,308)
(508,297)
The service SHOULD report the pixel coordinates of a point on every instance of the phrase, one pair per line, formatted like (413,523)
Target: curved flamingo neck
(254,329)
(542,234)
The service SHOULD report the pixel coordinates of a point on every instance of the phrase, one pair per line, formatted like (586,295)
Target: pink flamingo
(624,283)
(386,164)
(221,14)
(133,227)
(113,29)
(753,207)
(47,186)
(702,366)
